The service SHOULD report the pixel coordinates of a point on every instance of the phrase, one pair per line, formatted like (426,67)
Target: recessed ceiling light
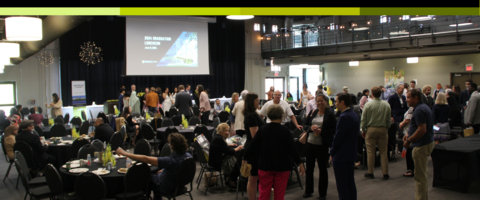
(240,17)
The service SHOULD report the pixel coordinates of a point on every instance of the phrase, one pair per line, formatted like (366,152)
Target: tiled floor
(398,187)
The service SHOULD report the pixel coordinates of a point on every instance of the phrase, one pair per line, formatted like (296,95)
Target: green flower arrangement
(184,121)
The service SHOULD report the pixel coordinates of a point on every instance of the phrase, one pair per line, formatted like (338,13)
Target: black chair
(76,121)
(31,181)
(123,132)
(292,108)
(66,119)
(223,116)
(226,104)
(166,151)
(90,186)
(10,162)
(27,153)
(205,167)
(103,116)
(172,112)
(76,145)
(85,150)
(84,116)
(167,132)
(39,130)
(55,184)
(91,116)
(216,122)
(177,120)
(45,122)
(136,114)
(84,128)
(196,111)
(167,122)
(58,130)
(142,148)
(194,120)
(136,182)
(160,110)
(149,135)
(116,140)
(156,123)
(40,110)
(59,120)
(35,193)
(98,144)
(202,130)
(184,176)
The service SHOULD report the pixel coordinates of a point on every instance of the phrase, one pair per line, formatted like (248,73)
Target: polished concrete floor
(397,187)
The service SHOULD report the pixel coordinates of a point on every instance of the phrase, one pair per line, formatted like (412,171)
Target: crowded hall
(240,107)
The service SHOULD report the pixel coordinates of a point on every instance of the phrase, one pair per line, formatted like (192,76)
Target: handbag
(303,138)
(468,132)
(228,164)
(213,180)
(245,170)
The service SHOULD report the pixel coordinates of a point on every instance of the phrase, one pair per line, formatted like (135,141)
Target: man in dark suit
(183,102)
(398,106)
(40,156)
(344,148)
(465,95)
(103,131)
(426,98)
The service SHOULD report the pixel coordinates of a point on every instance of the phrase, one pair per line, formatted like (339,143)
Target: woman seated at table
(131,127)
(14,118)
(219,149)
(9,140)
(164,181)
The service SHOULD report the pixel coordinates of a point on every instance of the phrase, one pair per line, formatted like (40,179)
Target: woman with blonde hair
(440,119)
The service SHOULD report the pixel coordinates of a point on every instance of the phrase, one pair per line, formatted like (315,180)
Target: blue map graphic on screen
(183,52)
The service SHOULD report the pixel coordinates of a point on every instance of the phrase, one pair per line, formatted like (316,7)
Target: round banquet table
(113,180)
(185,132)
(46,130)
(62,152)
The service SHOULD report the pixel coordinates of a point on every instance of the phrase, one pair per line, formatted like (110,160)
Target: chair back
(26,151)
(103,116)
(167,122)
(166,151)
(292,108)
(142,148)
(59,120)
(299,120)
(201,130)
(54,180)
(194,120)
(136,114)
(84,116)
(85,150)
(98,144)
(117,140)
(200,153)
(40,110)
(169,131)
(90,186)
(216,122)
(185,174)
(84,127)
(156,123)
(23,164)
(76,121)
(58,130)
(137,178)
(22,176)
(302,115)
(223,116)
(147,131)
(177,120)
(172,112)
(123,132)
(45,122)
(91,115)
(76,145)
(66,119)
(196,111)
(39,130)
(160,110)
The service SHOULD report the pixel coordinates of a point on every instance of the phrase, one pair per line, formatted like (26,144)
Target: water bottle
(129,163)
(89,160)
(404,152)
(104,145)
(109,166)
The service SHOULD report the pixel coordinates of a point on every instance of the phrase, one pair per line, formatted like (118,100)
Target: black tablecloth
(113,181)
(46,130)
(456,164)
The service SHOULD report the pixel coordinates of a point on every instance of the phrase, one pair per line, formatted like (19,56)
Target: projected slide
(163,47)
(183,53)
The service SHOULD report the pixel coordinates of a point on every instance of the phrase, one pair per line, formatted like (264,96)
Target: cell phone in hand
(436,128)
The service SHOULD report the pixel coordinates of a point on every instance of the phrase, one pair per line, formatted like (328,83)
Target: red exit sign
(469,67)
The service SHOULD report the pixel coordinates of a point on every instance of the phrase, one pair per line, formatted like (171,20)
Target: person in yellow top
(152,100)
(56,106)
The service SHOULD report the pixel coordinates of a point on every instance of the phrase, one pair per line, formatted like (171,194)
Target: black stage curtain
(103,80)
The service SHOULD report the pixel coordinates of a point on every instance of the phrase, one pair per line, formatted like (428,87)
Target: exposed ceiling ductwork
(53,28)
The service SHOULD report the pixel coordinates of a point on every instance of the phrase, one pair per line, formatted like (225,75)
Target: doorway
(278,83)
(294,87)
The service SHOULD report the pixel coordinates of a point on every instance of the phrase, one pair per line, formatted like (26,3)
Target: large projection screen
(159,47)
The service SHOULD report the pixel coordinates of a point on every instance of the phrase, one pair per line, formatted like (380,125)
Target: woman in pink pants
(274,148)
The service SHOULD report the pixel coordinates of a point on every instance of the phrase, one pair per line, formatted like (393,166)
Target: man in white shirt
(237,111)
(286,108)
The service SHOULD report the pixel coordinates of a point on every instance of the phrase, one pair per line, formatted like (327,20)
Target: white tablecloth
(95,110)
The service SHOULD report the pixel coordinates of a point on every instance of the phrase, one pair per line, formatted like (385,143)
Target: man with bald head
(277,95)
(103,132)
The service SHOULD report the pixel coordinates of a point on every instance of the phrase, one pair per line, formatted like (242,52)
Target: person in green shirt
(289,97)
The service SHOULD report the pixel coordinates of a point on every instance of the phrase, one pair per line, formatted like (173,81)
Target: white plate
(102,172)
(73,165)
(121,172)
(75,162)
(78,170)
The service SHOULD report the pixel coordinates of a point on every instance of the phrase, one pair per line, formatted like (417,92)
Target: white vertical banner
(79,97)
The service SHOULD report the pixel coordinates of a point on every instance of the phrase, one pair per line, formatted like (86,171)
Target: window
(256,27)
(332,26)
(384,19)
(406,17)
(8,97)
(274,28)
(264,29)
